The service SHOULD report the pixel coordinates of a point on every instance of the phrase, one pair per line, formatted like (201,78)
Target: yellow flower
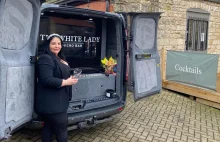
(111,61)
(104,61)
(108,62)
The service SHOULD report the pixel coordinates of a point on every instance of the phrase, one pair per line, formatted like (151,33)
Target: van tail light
(120,109)
(126,77)
(42,123)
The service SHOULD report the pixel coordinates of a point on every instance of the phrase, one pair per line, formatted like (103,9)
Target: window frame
(199,17)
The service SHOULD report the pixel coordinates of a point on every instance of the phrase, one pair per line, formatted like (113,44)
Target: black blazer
(50,96)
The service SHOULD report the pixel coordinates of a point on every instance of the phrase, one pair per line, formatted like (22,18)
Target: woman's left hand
(70,81)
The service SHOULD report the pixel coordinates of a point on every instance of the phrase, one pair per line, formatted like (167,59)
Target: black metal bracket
(130,38)
(33,59)
(91,121)
(130,83)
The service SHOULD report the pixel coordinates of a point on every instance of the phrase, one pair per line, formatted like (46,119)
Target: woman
(53,90)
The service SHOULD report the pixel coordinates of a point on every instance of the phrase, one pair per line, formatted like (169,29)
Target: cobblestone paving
(165,117)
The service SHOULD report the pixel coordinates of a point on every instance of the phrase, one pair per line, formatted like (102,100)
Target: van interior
(86,41)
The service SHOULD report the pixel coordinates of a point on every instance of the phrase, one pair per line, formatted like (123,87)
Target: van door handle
(143,56)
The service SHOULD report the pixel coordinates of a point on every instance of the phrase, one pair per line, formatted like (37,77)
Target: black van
(89,36)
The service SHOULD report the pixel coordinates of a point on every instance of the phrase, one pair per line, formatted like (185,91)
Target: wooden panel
(163,64)
(193,91)
(208,103)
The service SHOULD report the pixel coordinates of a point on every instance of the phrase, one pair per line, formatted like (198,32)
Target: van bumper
(87,118)
(93,117)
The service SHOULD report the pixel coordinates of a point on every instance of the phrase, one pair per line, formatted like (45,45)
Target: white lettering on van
(97,39)
(42,36)
(74,41)
(80,39)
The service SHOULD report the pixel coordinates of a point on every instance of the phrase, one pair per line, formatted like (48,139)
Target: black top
(50,96)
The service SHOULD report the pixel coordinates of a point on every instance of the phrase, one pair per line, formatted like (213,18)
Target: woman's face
(55,45)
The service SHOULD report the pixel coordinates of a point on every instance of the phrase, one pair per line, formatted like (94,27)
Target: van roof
(70,2)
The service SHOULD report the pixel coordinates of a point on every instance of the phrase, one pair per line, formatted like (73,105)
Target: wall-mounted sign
(192,68)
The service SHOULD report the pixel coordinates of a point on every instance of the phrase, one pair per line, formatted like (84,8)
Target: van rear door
(144,58)
(19,24)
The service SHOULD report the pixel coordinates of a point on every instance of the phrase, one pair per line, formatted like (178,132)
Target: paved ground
(166,117)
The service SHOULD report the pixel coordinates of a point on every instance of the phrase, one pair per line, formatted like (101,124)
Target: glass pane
(190,35)
(197,35)
(193,35)
(205,34)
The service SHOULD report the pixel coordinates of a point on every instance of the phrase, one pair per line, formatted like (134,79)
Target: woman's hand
(70,81)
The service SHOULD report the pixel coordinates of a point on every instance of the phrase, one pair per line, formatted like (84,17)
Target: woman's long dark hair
(54,57)
(47,46)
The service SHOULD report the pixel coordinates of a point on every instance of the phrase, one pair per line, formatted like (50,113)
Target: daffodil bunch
(109,64)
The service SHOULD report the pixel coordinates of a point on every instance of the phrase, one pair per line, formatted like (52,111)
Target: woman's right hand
(70,81)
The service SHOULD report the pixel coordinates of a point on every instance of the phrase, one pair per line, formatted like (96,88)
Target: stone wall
(172,25)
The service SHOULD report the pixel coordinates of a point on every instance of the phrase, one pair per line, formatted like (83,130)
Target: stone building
(185,25)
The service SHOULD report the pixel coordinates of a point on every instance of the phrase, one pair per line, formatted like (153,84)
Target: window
(197,30)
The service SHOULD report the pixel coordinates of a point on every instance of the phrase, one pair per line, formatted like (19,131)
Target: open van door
(144,58)
(19,24)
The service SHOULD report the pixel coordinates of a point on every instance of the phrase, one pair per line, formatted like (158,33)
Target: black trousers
(55,124)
